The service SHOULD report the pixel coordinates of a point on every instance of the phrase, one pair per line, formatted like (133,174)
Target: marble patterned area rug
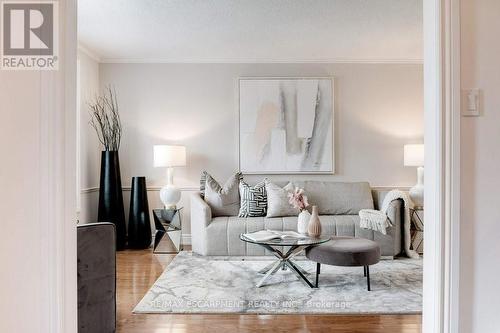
(197,284)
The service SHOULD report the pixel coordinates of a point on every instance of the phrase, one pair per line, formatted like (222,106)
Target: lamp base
(417,195)
(170,196)
(417,191)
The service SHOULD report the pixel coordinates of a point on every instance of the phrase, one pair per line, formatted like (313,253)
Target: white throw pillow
(277,200)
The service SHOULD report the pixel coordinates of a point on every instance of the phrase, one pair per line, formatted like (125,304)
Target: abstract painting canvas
(286,125)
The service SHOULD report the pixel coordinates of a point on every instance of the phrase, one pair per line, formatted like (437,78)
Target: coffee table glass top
(289,241)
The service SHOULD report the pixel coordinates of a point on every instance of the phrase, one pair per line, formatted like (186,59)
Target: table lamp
(169,157)
(414,156)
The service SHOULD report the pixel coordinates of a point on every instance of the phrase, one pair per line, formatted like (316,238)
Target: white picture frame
(265,143)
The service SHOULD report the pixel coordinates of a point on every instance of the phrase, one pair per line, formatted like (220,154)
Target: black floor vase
(139,225)
(111,196)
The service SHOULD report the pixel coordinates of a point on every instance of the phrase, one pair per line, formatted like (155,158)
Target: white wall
(480,234)
(89,144)
(378,108)
(20,244)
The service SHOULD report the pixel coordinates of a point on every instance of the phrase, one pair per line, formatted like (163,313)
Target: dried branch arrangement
(105,119)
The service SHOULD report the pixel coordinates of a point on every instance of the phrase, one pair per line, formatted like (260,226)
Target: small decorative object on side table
(417,229)
(168,222)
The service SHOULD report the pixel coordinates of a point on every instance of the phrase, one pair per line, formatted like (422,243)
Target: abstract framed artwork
(286,125)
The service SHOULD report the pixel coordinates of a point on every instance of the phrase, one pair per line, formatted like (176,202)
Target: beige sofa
(338,203)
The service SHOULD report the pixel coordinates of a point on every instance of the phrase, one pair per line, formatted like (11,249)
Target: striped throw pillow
(203,182)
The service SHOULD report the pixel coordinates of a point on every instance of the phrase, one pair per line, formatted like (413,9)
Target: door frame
(58,179)
(442,144)
(442,187)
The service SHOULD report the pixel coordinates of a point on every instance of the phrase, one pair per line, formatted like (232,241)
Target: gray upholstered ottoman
(345,251)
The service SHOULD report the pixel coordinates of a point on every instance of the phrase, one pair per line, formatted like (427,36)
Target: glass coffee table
(293,247)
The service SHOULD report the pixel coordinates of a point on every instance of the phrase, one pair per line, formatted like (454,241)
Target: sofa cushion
(223,232)
(338,198)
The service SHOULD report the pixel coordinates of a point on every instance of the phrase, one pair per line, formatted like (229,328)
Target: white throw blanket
(377,219)
(374,220)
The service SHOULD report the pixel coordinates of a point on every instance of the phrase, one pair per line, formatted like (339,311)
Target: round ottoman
(345,251)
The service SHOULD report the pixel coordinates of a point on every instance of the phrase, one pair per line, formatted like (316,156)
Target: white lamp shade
(169,156)
(414,155)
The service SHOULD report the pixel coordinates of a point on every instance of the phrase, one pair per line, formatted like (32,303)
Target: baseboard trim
(186,239)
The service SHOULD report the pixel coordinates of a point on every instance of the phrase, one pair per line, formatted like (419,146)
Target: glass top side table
(168,223)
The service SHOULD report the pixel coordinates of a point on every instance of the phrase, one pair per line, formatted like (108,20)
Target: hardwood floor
(138,270)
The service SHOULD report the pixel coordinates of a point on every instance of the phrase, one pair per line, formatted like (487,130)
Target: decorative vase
(303,221)
(314,228)
(111,196)
(139,224)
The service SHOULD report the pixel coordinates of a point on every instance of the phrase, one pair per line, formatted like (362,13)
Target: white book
(267,235)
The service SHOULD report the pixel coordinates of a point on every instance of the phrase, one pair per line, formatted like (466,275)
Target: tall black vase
(139,224)
(111,196)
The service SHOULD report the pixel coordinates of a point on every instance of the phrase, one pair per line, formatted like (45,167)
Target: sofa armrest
(395,210)
(201,214)
(395,213)
(96,266)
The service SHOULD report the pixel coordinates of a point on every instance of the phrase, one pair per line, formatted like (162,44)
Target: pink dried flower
(297,199)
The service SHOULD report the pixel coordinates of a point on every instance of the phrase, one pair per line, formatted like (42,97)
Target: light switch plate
(471,105)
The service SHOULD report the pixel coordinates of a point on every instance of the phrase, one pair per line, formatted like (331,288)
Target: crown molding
(91,54)
(257,61)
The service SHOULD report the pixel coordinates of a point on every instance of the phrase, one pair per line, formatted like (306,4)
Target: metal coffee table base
(285,261)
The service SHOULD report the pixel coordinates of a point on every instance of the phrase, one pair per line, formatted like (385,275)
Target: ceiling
(252,30)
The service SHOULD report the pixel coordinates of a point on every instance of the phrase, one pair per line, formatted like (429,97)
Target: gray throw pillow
(277,200)
(223,200)
(253,200)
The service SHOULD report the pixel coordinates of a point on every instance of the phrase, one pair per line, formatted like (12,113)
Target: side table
(168,223)
(417,229)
